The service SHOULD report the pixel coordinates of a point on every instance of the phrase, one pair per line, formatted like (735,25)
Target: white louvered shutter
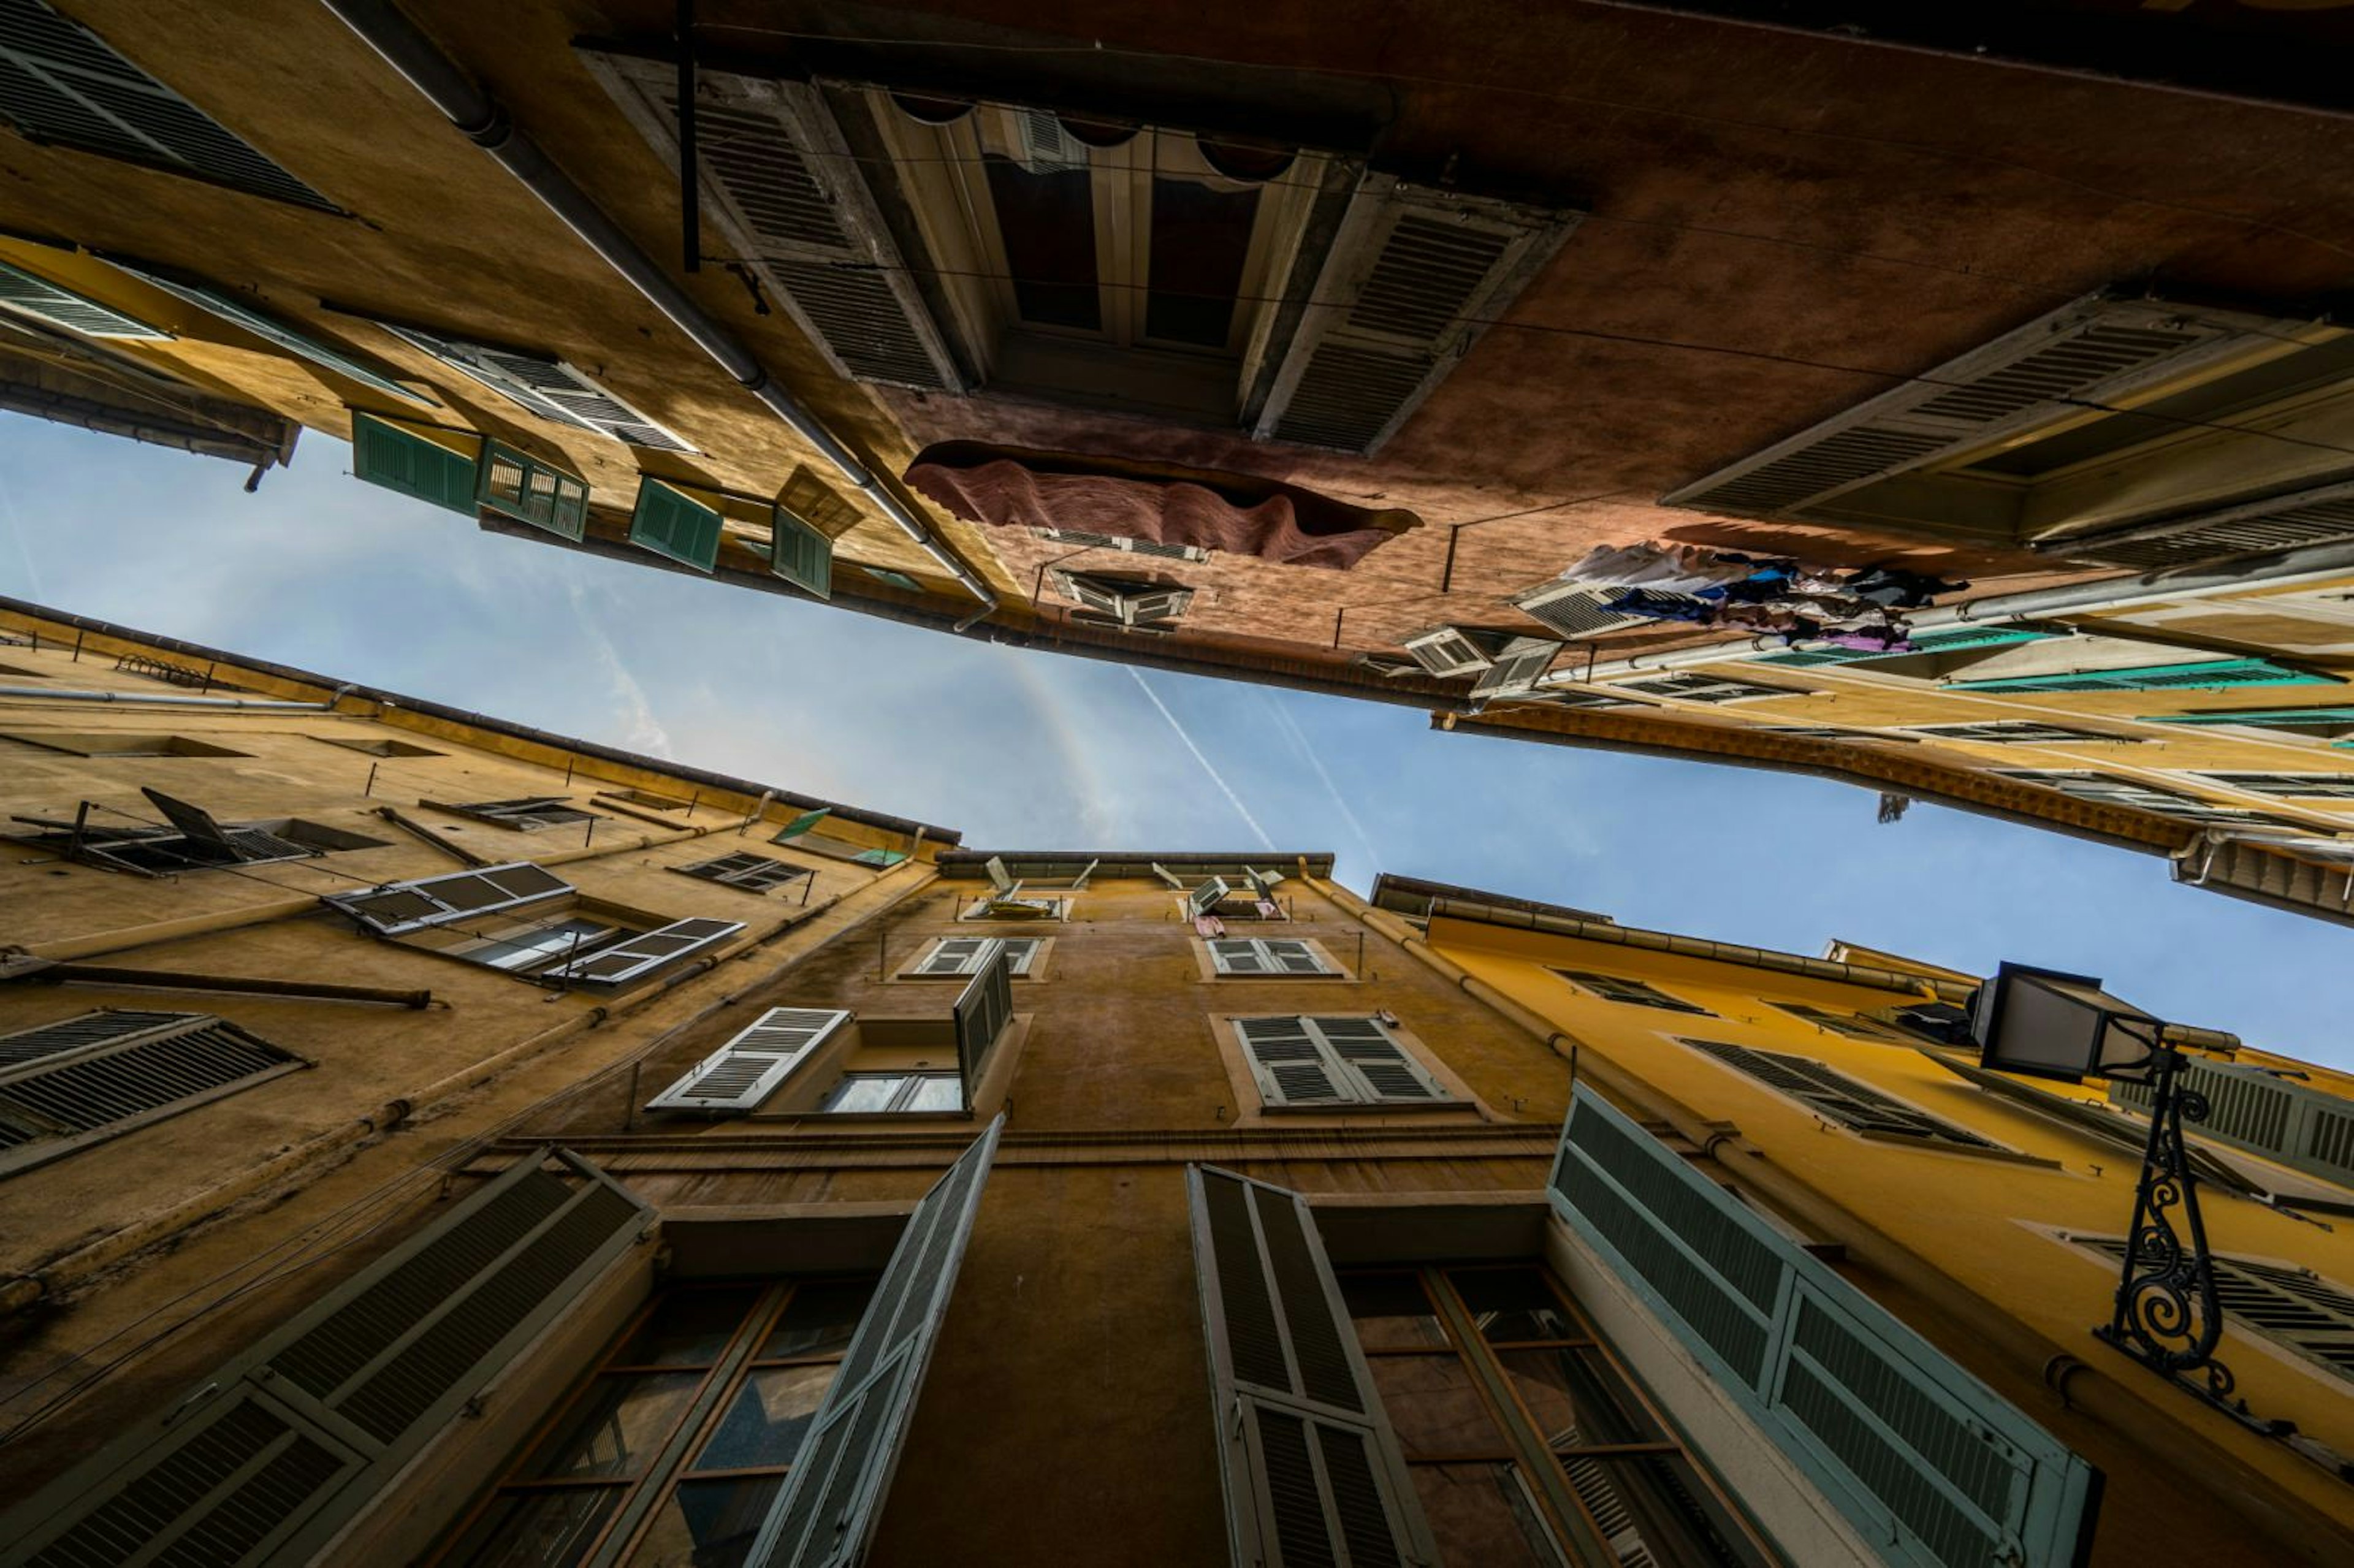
(1312,1472)
(1453,649)
(1293,957)
(1237,956)
(981,1012)
(1000,878)
(1266,955)
(1165,874)
(396,907)
(545,384)
(1572,610)
(642,954)
(1379,1069)
(235,309)
(827,1512)
(1289,1064)
(1517,668)
(755,1064)
(1206,897)
(62,307)
(264,1460)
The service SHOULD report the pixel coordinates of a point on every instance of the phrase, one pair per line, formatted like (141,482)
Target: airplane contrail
(1215,776)
(1291,727)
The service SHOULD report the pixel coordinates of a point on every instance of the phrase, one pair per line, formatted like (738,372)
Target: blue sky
(1033,750)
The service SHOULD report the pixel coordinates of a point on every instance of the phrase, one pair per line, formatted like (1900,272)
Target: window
(2124,792)
(753,873)
(1635,993)
(1127,601)
(194,841)
(66,1086)
(1834,1095)
(2294,1308)
(957,956)
(2307,1129)
(879,1093)
(1332,1061)
(1267,955)
(541,384)
(2014,732)
(1079,539)
(2333,786)
(803,832)
(120,742)
(1525,1439)
(1692,688)
(528,815)
(62,307)
(378,747)
(1853,1025)
(1517,667)
(60,83)
(2325,723)
(240,311)
(515,484)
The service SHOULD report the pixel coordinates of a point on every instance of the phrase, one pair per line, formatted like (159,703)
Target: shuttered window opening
(669,522)
(2124,792)
(1457,650)
(68,1085)
(267,1458)
(755,1064)
(410,464)
(2332,786)
(1517,668)
(753,873)
(1832,1095)
(2018,732)
(1928,1463)
(1312,1472)
(1267,955)
(1635,992)
(2247,1108)
(2208,675)
(60,83)
(2294,1308)
(1127,601)
(530,814)
(955,956)
(195,841)
(1853,1025)
(59,305)
(396,909)
(240,311)
(825,1517)
(516,484)
(1694,688)
(541,384)
(1080,539)
(636,957)
(1328,1062)
(1413,278)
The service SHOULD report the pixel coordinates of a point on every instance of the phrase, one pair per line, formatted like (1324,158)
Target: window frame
(1217,966)
(1585,980)
(1026,958)
(771,871)
(901,1102)
(1253,1078)
(1872,1113)
(1848,1025)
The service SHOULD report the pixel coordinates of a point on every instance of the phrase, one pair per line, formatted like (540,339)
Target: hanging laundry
(1869,639)
(1896,587)
(1681,568)
(1653,605)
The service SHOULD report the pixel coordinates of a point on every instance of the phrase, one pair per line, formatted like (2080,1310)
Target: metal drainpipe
(2279,568)
(422,64)
(85,696)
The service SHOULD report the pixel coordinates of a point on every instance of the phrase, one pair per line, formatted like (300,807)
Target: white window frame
(1023,955)
(1355,1089)
(912,1080)
(1227,956)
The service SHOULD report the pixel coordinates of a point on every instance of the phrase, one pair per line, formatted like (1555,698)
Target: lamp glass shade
(2051,1024)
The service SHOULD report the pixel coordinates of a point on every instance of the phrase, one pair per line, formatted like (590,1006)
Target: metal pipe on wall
(420,62)
(63,695)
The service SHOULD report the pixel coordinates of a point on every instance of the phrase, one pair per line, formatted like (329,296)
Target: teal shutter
(826,1514)
(801,824)
(518,485)
(800,555)
(236,310)
(1955,640)
(670,523)
(266,1460)
(399,461)
(1311,1472)
(2261,718)
(62,307)
(2248,1109)
(1922,1458)
(2207,674)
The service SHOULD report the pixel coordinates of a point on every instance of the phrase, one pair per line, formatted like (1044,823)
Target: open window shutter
(646,952)
(1160,604)
(1263,882)
(238,312)
(268,1458)
(1000,879)
(1387,1071)
(1921,1457)
(66,1087)
(669,521)
(1454,650)
(399,461)
(1572,610)
(827,1512)
(800,554)
(60,82)
(1165,874)
(543,385)
(2205,674)
(2248,1109)
(2319,515)
(398,907)
(750,1067)
(1289,1064)
(1516,669)
(1206,897)
(982,1011)
(60,306)
(1413,278)
(1313,1475)
(516,484)
(801,824)
(2094,351)
(1087,590)
(781,184)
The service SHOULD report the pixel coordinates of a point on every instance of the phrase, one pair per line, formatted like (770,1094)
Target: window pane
(1578,1399)
(1435,1406)
(1482,1514)
(1048,221)
(937,1092)
(1511,1304)
(1657,1503)
(536,1530)
(819,1318)
(527,950)
(770,1417)
(707,1524)
(612,1427)
(861,1092)
(689,1327)
(1390,1311)
(1200,238)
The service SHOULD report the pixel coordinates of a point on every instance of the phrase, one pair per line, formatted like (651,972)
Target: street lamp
(2048,1024)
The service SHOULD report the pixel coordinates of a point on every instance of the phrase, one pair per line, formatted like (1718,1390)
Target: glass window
(530,948)
(1526,1442)
(863,1092)
(672,1450)
(1048,221)
(906,1092)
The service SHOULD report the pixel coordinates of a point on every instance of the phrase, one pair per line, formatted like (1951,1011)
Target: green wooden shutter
(1924,1460)
(399,459)
(266,1460)
(516,484)
(1312,1472)
(2248,1109)
(801,824)
(826,1514)
(671,523)
(800,553)
(2207,674)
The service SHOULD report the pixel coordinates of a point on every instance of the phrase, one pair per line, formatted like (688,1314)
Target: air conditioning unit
(1124,599)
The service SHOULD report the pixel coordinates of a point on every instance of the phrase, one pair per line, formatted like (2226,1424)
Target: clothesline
(1772,596)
